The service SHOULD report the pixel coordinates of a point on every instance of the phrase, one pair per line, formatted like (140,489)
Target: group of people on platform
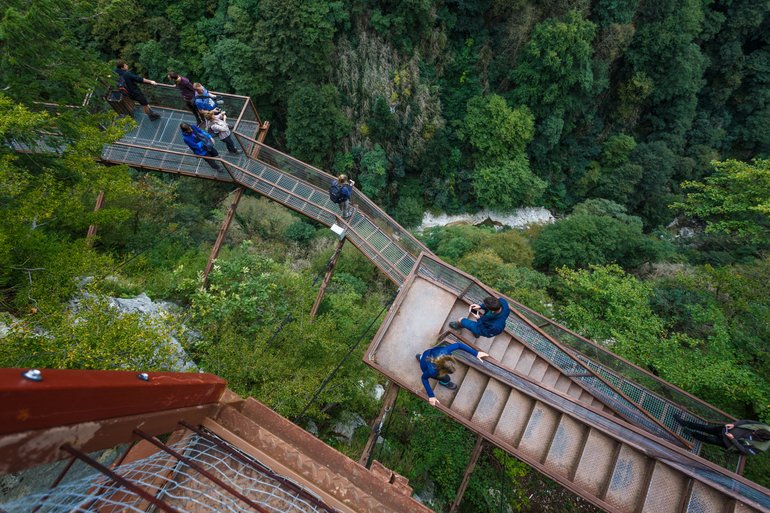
(488,319)
(211,120)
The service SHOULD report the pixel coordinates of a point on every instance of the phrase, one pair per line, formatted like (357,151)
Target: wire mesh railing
(629,376)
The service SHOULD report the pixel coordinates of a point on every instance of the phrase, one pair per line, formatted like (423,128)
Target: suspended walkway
(590,420)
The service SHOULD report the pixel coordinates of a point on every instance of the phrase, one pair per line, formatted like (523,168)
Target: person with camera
(438,363)
(204,100)
(489,318)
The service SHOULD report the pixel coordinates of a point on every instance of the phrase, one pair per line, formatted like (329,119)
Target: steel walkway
(589,373)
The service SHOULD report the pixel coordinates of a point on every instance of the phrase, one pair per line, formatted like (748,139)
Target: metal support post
(92,229)
(468,471)
(327,277)
(388,400)
(221,235)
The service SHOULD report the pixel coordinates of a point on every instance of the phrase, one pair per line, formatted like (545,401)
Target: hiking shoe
(153,116)
(455,325)
(236,152)
(449,384)
(418,357)
(678,418)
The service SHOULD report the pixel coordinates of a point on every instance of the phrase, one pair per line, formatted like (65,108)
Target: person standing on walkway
(747,437)
(490,318)
(200,143)
(128,84)
(216,124)
(204,100)
(340,192)
(185,88)
(438,363)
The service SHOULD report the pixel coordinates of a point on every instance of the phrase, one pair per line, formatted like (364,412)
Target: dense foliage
(619,115)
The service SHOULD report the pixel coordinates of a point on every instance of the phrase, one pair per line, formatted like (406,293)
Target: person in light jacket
(216,124)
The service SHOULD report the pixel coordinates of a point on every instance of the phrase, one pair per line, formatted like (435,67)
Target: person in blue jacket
(200,142)
(491,315)
(203,99)
(438,363)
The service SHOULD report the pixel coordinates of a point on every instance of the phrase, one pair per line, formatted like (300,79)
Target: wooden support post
(327,277)
(262,133)
(221,235)
(388,400)
(92,229)
(468,471)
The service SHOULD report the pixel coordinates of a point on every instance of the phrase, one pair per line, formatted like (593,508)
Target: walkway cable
(344,358)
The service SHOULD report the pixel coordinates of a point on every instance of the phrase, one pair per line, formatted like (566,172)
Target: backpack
(335,192)
(122,87)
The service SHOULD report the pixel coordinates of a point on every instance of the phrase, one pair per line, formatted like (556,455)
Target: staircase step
(629,479)
(704,499)
(491,405)
(539,431)
(596,462)
(667,487)
(514,417)
(469,393)
(566,446)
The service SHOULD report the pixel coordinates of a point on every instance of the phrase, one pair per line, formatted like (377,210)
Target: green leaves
(734,200)
(495,130)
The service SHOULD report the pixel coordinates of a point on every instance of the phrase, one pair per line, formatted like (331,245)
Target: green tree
(309,109)
(581,240)
(495,130)
(734,199)
(506,185)
(293,44)
(40,59)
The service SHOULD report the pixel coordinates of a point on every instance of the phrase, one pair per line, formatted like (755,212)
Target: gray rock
(378,392)
(346,425)
(312,428)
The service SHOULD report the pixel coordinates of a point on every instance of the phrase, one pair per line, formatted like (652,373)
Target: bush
(583,240)
(299,232)
(512,247)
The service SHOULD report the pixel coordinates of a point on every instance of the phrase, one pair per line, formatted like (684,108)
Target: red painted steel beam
(65,397)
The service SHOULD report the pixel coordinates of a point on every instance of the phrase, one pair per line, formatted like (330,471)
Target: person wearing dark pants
(490,318)
(438,363)
(200,143)
(185,88)
(128,83)
(216,124)
(747,437)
